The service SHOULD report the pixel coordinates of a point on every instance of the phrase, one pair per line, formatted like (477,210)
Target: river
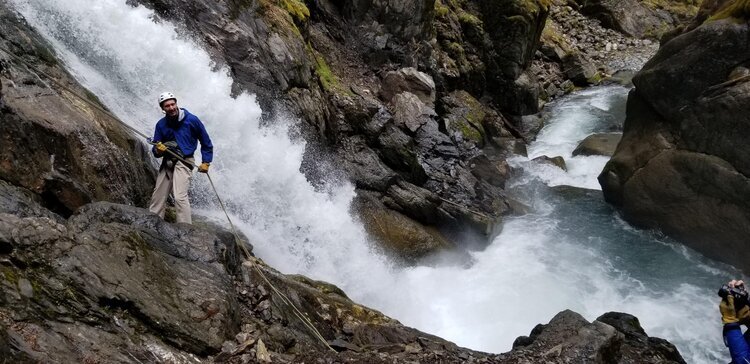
(571,251)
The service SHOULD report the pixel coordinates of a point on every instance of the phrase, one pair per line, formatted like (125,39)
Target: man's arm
(157,139)
(207,148)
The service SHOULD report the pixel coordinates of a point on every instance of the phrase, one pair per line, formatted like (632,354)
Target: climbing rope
(248,256)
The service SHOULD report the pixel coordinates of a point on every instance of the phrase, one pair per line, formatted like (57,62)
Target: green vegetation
(468,118)
(470,132)
(455,49)
(552,35)
(470,20)
(440,9)
(297,9)
(532,6)
(9,274)
(327,79)
(283,15)
(685,9)
(657,32)
(595,79)
(738,10)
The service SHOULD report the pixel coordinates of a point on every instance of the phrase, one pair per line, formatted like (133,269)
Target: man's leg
(161,191)
(180,186)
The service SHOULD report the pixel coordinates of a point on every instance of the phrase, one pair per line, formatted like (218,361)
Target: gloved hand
(728,314)
(203,168)
(160,147)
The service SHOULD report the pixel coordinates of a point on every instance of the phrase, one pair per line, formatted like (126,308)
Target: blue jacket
(186,133)
(737,343)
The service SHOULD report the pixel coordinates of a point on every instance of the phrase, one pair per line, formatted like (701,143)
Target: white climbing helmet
(164,96)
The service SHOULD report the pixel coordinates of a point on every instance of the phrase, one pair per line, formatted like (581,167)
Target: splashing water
(571,252)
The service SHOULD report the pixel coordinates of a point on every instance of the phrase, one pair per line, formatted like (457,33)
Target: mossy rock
(297,9)
(324,287)
(284,16)
(402,236)
(738,10)
(683,9)
(465,115)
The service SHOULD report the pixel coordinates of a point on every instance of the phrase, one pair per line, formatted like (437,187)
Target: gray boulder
(579,69)
(411,80)
(598,144)
(684,147)
(556,161)
(409,112)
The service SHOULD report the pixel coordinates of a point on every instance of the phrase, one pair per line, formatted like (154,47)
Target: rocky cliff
(54,144)
(682,163)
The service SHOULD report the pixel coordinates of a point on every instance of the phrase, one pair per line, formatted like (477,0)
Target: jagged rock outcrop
(682,163)
(611,338)
(114,283)
(54,144)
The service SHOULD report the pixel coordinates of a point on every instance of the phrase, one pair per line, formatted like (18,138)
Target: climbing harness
(248,256)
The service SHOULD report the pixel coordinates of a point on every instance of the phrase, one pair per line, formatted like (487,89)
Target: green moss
(738,10)
(455,49)
(327,79)
(595,79)
(10,275)
(468,19)
(170,215)
(282,14)
(552,35)
(469,131)
(685,9)
(297,9)
(532,6)
(440,9)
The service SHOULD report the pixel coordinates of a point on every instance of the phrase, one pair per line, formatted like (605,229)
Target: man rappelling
(179,132)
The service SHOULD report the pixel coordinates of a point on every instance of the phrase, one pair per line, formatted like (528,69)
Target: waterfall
(572,251)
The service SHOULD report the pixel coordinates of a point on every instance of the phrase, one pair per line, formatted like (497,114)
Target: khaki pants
(177,181)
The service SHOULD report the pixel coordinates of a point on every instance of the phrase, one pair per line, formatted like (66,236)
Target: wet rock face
(56,145)
(684,146)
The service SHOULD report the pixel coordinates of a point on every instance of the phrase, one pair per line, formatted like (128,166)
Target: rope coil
(248,256)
